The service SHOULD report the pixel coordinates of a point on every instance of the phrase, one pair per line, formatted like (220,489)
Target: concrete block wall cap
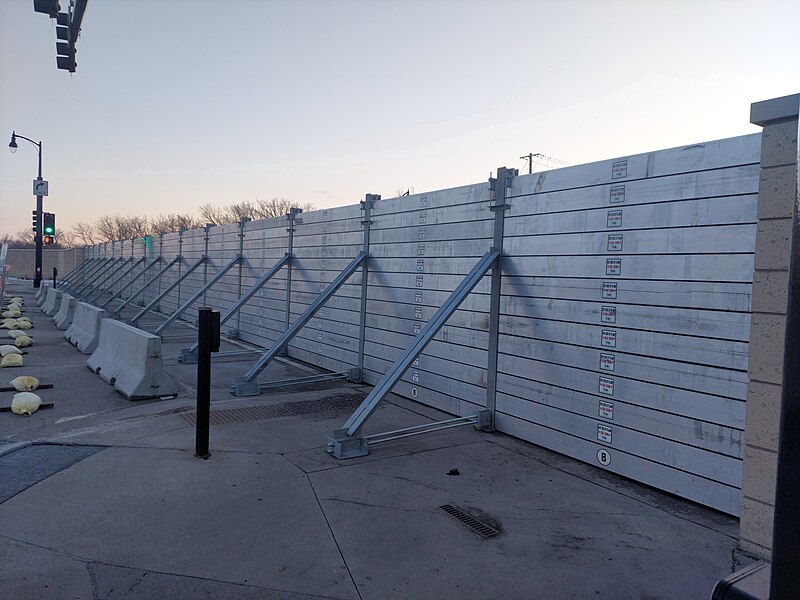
(775,110)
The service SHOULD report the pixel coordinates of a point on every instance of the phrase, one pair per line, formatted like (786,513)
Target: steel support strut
(201,292)
(158,275)
(133,280)
(97,276)
(189,355)
(87,272)
(65,279)
(247,385)
(174,284)
(347,441)
(499,190)
(115,281)
(366,222)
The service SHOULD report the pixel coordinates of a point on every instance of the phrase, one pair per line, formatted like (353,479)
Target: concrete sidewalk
(103,498)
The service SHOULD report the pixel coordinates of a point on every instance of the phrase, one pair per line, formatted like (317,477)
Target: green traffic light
(48,230)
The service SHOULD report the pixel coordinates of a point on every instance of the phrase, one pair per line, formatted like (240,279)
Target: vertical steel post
(204,342)
(180,268)
(366,222)
(499,190)
(785,581)
(206,238)
(290,222)
(242,222)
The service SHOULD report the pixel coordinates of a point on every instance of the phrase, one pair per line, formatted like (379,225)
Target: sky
(178,103)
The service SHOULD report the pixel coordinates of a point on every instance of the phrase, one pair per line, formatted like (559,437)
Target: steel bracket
(343,446)
(485,421)
(242,387)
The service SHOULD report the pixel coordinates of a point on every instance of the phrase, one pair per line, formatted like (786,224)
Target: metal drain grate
(284,409)
(482,529)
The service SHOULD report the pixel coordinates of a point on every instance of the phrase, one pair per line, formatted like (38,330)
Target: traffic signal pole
(37,279)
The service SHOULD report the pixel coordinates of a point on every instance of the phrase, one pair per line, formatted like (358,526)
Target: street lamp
(37,279)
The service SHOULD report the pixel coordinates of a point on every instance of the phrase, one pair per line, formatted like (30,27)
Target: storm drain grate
(284,409)
(482,529)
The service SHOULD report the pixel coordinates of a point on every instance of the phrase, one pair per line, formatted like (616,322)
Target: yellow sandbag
(23,319)
(23,341)
(9,324)
(15,333)
(24,325)
(8,349)
(25,403)
(24,383)
(12,314)
(11,360)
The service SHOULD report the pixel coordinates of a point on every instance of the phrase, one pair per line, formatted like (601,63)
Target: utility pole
(529,158)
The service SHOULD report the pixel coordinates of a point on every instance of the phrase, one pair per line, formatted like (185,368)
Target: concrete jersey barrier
(130,360)
(84,332)
(63,318)
(42,291)
(41,295)
(52,303)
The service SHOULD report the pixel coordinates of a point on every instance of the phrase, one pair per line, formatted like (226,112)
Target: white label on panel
(420,265)
(423,217)
(613,266)
(418,297)
(604,433)
(606,409)
(322,287)
(603,457)
(416,362)
(609,290)
(324,251)
(423,201)
(420,249)
(619,169)
(607,362)
(415,376)
(615,242)
(614,218)
(421,234)
(324,228)
(321,313)
(320,324)
(319,349)
(608,314)
(413,392)
(616,194)
(324,239)
(417,327)
(418,282)
(608,338)
(319,337)
(322,275)
(417,312)
(606,386)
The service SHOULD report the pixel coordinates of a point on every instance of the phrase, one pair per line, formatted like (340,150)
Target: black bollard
(55,274)
(207,342)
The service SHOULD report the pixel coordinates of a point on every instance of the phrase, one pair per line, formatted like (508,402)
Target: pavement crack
(386,506)
(93,581)
(333,536)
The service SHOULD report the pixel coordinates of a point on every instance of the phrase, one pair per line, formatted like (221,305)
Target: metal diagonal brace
(189,355)
(130,298)
(174,284)
(115,281)
(174,316)
(97,276)
(87,273)
(248,385)
(65,279)
(133,280)
(346,442)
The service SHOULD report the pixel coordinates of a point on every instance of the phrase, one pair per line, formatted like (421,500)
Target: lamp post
(37,280)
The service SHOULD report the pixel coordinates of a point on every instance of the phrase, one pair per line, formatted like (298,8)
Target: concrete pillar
(777,193)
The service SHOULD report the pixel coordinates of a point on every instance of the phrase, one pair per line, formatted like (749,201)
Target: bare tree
(404,192)
(277,207)
(84,233)
(211,214)
(25,239)
(172,222)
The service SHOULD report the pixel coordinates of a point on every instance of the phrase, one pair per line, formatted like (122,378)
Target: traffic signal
(49,220)
(49,240)
(35,220)
(48,7)
(65,49)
